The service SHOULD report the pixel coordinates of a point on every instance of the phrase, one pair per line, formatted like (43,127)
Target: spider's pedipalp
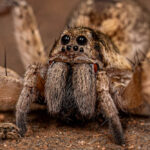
(109,110)
(27,96)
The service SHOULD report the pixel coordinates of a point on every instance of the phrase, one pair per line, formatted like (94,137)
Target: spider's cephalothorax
(76,83)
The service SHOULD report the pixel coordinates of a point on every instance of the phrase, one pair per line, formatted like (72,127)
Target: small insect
(85,75)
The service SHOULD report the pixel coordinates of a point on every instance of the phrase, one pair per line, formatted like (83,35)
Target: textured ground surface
(44,133)
(48,134)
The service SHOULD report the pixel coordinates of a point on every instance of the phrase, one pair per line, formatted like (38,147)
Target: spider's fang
(96,68)
(50,62)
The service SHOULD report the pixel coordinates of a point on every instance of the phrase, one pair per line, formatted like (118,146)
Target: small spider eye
(81,40)
(65,39)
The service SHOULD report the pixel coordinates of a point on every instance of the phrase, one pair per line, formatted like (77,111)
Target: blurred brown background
(51,17)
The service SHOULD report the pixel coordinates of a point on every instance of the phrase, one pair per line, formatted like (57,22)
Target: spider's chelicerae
(85,75)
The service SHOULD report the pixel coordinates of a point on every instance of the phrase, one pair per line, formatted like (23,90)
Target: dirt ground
(48,134)
(44,133)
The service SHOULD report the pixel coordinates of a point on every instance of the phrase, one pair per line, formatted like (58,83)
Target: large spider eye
(65,39)
(81,40)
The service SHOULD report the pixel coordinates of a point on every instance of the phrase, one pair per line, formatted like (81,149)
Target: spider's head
(75,45)
(84,45)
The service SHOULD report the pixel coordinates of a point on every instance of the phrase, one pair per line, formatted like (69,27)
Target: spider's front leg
(106,104)
(28,95)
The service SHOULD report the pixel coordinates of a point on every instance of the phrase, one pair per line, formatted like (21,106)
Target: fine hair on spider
(5,61)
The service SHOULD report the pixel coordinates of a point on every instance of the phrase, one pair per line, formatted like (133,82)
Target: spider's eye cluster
(65,39)
(81,40)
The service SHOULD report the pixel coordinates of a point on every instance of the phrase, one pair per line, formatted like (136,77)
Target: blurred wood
(10,73)
(10,88)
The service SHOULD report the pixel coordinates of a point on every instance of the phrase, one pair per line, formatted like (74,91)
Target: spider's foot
(21,123)
(9,131)
(117,131)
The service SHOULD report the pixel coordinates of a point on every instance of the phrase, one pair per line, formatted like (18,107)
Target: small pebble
(103,148)
(131,147)
(81,142)
(2,117)
(142,123)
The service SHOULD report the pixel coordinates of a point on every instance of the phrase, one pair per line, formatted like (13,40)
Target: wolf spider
(85,74)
